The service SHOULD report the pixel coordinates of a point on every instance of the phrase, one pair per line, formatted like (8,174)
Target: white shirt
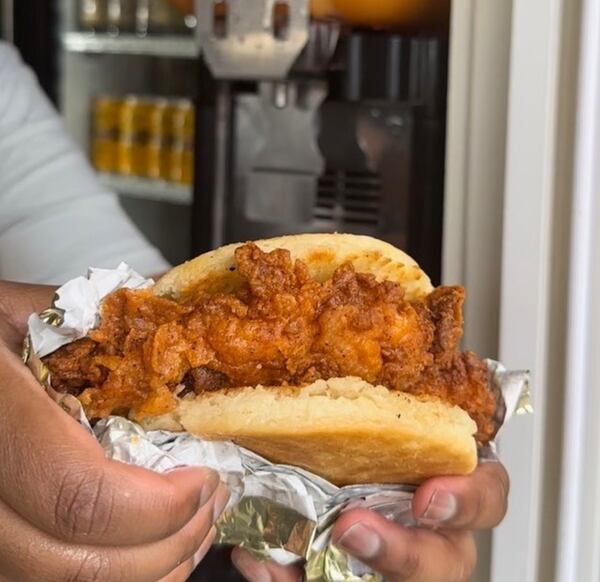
(56,220)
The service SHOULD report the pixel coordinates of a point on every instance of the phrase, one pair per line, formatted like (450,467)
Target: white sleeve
(56,220)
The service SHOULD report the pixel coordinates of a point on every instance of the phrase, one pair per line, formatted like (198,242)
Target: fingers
(17,302)
(55,475)
(405,554)
(183,572)
(255,571)
(30,554)
(477,501)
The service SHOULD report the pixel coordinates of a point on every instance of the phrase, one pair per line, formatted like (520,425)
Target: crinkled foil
(276,512)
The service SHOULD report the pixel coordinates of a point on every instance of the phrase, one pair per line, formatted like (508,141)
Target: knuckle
(463,573)
(467,560)
(408,565)
(94,567)
(460,550)
(83,505)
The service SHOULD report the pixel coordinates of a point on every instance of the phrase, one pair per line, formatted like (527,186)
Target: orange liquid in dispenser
(411,14)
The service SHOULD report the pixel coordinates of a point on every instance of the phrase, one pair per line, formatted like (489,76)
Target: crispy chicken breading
(281,328)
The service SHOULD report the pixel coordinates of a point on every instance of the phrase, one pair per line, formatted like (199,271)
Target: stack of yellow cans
(146,137)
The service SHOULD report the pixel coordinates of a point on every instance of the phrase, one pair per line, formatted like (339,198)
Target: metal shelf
(180,47)
(148,189)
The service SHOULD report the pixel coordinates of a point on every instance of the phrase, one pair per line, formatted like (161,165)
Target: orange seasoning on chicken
(281,328)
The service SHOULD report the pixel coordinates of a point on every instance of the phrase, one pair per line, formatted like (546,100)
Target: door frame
(579,519)
(507,238)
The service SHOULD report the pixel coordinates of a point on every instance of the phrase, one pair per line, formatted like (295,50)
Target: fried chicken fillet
(281,327)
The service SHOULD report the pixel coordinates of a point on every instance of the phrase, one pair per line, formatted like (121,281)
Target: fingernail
(250,568)
(361,542)
(207,479)
(442,507)
(220,502)
(209,486)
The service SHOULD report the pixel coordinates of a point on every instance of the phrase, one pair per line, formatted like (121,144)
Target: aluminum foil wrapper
(276,512)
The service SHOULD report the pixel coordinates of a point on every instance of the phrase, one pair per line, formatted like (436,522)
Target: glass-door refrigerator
(127,90)
(331,121)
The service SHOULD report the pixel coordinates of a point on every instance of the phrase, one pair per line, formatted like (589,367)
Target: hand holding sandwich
(333,353)
(454,506)
(66,512)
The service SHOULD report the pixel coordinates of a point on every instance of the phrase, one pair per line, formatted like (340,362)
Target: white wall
(578,540)
(508,228)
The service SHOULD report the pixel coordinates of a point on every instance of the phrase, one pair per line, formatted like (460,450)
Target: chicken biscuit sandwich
(328,352)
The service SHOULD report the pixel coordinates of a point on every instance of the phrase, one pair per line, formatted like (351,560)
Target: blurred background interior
(446,128)
(325,123)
